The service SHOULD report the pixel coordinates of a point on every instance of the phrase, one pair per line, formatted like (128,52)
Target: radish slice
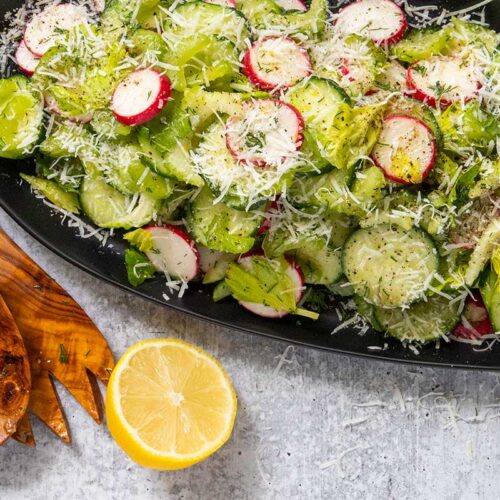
(475,320)
(406,149)
(272,210)
(293,272)
(275,63)
(140,96)
(51,105)
(174,254)
(440,81)
(268,132)
(292,5)
(224,3)
(25,59)
(47,28)
(383,21)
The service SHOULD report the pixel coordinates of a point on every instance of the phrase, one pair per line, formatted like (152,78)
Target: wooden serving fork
(61,341)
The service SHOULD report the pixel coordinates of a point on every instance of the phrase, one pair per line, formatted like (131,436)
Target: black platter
(107,264)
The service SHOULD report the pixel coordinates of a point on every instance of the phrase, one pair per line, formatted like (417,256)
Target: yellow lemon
(169,404)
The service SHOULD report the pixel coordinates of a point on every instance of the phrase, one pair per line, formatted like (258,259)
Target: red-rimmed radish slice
(140,96)
(51,105)
(292,5)
(174,253)
(405,150)
(475,320)
(440,81)
(223,3)
(275,63)
(272,210)
(25,59)
(293,272)
(47,28)
(383,21)
(268,132)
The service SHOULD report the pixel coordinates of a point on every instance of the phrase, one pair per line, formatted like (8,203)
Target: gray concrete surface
(309,425)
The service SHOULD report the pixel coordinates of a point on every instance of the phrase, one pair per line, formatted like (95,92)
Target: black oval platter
(106,263)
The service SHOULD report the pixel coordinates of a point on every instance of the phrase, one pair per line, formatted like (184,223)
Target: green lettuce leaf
(139,268)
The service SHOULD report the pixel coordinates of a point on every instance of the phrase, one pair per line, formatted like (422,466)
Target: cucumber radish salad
(282,152)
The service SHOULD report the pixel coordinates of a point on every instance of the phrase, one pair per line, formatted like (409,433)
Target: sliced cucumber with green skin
(344,134)
(219,227)
(421,44)
(388,266)
(327,190)
(202,60)
(265,13)
(324,106)
(422,322)
(201,18)
(174,164)
(54,193)
(321,264)
(490,292)
(122,167)
(108,208)
(21,117)
(122,15)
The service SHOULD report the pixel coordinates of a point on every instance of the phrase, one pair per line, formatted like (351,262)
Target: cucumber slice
(106,125)
(201,18)
(483,251)
(422,322)
(320,263)
(340,191)
(344,134)
(219,227)
(109,208)
(122,167)
(67,172)
(421,44)
(202,60)
(92,79)
(174,164)
(490,292)
(21,117)
(388,266)
(325,190)
(54,193)
(119,16)
(324,106)
(263,14)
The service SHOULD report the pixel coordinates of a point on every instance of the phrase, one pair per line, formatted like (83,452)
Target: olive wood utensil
(62,342)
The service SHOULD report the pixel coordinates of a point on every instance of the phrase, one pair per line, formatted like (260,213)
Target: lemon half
(169,404)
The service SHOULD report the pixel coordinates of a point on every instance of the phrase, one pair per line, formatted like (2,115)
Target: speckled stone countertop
(310,424)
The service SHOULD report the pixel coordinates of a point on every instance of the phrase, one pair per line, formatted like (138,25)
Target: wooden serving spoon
(15,377)
(61,340)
